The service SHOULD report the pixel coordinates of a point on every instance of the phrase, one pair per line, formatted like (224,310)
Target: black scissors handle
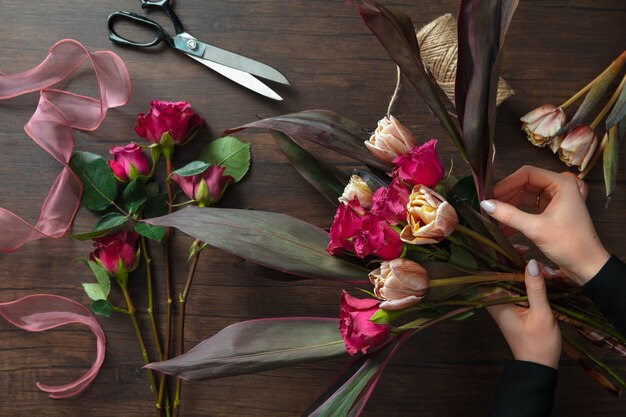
(159,32)
(167,8)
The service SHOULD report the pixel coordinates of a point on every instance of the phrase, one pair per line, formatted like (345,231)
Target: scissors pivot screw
(192,44)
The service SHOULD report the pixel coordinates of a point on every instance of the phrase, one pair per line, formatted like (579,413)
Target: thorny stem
(142,345)
(168,286)
(181,321)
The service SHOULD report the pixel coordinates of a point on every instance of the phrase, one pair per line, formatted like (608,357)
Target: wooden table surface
(333,62)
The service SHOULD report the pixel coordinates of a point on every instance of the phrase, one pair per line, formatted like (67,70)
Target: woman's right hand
(562,229)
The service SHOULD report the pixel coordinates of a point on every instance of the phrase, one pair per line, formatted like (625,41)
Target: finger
(511,216)
(521,249)
(524,177)
(536,289)
(582,185)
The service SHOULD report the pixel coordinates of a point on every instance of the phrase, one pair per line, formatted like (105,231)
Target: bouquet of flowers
(407,235)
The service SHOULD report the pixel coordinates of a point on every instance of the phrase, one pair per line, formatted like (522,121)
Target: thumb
(536,289)
(509,215)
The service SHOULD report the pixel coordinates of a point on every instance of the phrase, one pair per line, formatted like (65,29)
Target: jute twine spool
(438,47)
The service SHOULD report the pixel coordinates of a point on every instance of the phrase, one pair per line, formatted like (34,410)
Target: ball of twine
(439,49)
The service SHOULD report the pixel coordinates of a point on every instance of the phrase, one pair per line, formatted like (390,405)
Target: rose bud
(358,332)
(177,119)
(400,283)
(117,253)
(420,166)
(578,146)
(207,187)
(390,140)
(430,218)
(357,188)
(542,124)
(129,162)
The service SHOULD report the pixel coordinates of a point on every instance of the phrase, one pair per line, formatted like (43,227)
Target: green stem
(485,240)
(585,319)
(120,310)
(475,279)
(181,322)
(493,263)
(149,284)
(142,345)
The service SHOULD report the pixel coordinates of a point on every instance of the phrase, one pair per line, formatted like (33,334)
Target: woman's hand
(562,229)
(532,333)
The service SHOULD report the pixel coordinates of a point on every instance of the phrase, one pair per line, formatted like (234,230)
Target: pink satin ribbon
(57,113)
(37,313)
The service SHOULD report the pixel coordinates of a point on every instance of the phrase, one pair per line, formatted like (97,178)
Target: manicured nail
(550,271)
(521,248)
(488,205)
(533,268)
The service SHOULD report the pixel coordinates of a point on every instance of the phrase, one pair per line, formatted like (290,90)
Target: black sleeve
(525,389)
(607,290)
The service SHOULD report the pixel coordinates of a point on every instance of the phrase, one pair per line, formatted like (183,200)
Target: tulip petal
(40,312)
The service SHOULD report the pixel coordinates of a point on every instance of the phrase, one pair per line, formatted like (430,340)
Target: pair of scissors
(233,66)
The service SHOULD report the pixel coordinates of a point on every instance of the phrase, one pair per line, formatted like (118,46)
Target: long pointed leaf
(396,33)
(348,395)
(482,27)
(325,128)
(611,158)
(270,239)
(258,345)
(619,109)
(321,176)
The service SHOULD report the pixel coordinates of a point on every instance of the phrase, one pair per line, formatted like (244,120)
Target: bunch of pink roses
(125,191)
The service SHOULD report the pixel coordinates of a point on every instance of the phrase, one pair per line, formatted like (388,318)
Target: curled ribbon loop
(37,313)
(51,127)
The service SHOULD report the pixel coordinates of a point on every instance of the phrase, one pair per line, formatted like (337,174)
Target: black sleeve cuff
(525,389)
(607,290)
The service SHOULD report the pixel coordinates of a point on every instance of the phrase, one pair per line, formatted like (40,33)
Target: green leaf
(229,152)
(258,345)
(94,291)
(134,196)
(465,191)
(464,316)
(104,281)
(192,168)
(460,257)
(619,110)
(106,223)
(99,185)
(385,316)
(325,128)
(273,240)
(102,308)
(156,233)
(610,158)
(321,176)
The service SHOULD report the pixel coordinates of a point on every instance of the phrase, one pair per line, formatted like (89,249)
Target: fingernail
(533,268)
(521,248)
(550,271)
(488,205)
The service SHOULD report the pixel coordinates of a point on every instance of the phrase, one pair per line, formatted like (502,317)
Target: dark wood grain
(333,62)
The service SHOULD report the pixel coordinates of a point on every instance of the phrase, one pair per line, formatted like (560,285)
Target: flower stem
(607,107)
(594,359)
(153,323)
(181,322)
(142,345)
(595,157)
(485,240)
(475,279)
(490,261)
(168,283)
(585,319)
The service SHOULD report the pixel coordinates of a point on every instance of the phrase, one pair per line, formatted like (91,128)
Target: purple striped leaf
(258,345)
(273,240)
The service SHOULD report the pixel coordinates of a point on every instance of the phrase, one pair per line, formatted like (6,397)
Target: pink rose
(116,253)
(345,225)
(175,118)
(389,203)
(358,332)
(207,187)
(377,237)
(420,166)
(129,162)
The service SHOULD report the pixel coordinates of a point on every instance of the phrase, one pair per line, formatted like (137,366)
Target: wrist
(590,265)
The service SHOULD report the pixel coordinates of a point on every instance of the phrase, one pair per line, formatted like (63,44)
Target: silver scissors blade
(240,77)
(194,47)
